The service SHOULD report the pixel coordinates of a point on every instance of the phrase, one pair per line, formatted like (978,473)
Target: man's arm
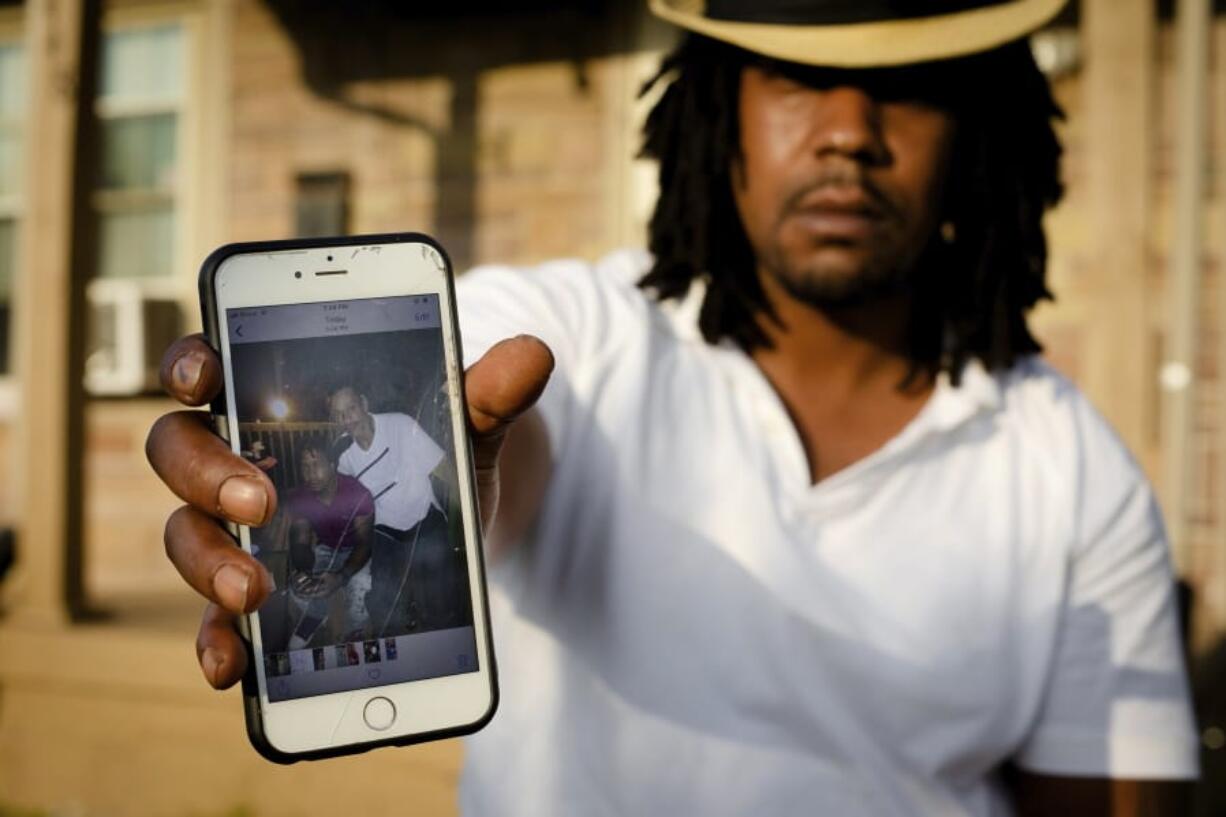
(1042,795)
(301,550)
(444,479)
(514,464)
(524,470)
(524,466)
(278,533)
(362,527)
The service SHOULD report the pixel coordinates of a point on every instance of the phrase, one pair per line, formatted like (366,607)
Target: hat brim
(874,44)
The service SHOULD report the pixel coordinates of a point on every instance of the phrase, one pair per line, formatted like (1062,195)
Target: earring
(949,232)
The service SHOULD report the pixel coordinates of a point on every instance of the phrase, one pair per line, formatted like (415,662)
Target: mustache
(840,176)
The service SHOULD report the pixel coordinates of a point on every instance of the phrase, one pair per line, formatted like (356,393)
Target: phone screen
(345,405)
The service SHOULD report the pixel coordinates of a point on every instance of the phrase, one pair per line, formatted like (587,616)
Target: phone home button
(380,713)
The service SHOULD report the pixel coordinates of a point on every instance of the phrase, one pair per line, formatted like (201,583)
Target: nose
(850,125)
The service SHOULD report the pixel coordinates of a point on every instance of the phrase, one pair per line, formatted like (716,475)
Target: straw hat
(861,33)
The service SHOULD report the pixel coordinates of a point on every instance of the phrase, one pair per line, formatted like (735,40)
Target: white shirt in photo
(395,469)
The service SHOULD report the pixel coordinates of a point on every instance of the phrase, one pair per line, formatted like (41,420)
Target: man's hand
(219,485)
(308,586)
(328,583)
(299,582)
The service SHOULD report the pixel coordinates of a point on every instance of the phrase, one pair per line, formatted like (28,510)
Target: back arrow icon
(238,330)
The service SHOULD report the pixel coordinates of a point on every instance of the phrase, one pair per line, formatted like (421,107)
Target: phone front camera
(329,258)
(297,274)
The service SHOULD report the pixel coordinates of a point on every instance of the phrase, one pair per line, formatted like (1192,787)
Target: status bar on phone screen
(261,324)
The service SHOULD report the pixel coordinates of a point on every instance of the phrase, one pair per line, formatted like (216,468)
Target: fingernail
(211,661)
(242,499)
(230,585)
(186,373)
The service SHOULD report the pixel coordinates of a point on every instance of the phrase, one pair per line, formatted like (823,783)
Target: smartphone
(343,383)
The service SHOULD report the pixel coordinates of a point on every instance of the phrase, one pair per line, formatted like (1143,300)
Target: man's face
(317,470)
(841,181)
(348,410)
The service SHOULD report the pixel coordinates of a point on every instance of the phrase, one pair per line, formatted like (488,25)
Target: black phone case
(250,683)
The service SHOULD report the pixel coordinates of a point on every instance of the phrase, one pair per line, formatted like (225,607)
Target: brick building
(511,136)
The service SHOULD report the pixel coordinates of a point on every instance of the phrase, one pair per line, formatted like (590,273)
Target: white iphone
(343,382)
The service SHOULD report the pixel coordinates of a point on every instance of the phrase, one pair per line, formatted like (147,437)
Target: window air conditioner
(127,332)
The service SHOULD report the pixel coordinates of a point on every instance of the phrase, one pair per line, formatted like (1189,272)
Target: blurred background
(136,135)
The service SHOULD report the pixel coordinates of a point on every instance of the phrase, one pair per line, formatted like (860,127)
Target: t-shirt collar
(978,391)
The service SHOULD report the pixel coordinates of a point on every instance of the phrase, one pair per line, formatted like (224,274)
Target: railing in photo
(277,447)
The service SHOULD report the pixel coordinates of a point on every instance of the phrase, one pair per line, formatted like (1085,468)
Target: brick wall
(125,505)
(1207,516)
(1066,333)
(508,150)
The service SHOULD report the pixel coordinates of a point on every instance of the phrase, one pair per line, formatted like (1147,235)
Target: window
(12,115)
(322,206)
(140,101)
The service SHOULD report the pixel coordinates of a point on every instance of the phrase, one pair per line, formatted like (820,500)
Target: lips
(847,198)
(838,213)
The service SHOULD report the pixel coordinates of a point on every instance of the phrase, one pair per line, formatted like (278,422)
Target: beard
(829,284)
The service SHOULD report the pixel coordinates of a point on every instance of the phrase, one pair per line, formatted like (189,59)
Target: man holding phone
(800,522)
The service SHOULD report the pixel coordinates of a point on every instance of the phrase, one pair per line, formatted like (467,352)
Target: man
(329,519)
(800,524)
(394,458)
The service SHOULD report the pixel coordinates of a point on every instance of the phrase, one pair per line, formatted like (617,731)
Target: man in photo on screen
(330,522)
(412,560)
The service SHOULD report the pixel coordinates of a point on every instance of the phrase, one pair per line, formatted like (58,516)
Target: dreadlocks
(970,294)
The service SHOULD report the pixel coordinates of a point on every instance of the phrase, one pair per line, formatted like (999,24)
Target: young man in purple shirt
(330,519)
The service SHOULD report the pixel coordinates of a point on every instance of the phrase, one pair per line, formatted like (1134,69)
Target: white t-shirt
(395,469)
(692,627)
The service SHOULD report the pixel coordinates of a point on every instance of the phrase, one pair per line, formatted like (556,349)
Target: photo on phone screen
(345,406)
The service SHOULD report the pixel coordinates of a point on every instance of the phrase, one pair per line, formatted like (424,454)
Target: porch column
(55,251)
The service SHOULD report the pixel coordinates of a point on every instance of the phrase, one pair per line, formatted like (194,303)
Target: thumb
(501,386)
